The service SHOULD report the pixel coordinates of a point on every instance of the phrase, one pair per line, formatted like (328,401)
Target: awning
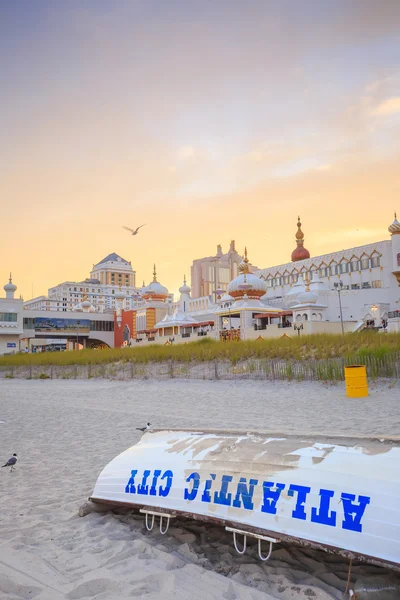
(283,313)
(148,331)
(202,324)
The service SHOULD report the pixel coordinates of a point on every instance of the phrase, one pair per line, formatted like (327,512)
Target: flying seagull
(133,231)
(11,462)
(144,428)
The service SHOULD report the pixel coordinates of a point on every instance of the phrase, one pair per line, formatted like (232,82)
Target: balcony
(394,314)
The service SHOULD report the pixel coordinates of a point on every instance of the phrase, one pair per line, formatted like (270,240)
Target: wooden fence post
(216,369)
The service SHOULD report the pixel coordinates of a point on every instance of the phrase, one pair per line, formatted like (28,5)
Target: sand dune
(65,432)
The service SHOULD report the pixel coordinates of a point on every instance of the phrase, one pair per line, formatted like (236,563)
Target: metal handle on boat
(244,543)
(255,536)
(147,522)
(164,531)
(264,558)
(153,513)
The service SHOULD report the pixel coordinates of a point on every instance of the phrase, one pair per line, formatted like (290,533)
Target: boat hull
(339,494)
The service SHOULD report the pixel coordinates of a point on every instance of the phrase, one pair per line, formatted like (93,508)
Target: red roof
(202,324)
(283,313)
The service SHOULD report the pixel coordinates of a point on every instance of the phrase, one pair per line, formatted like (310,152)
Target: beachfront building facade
(345,291)
(357,284)
(11,323)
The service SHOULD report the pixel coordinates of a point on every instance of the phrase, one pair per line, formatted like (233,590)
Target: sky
(207,121)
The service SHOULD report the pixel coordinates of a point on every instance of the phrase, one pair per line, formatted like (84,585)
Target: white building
(366,277)
(343,291)
(11,320)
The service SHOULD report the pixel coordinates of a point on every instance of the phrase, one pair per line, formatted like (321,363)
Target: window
(323,272)
(286,279)
(354,265)
(269,284)
(366,285)
(365,263)
(294,278)
(333,269)
(343,267)
(279,281)
(7,317)
(375,261)
(377,284)
(355,286)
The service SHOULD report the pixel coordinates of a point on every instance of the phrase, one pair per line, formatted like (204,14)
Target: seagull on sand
(133,231)
(144,428)
(11,462)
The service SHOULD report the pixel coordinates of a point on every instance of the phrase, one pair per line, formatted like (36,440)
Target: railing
(394,314)
(202,333)
(185,335)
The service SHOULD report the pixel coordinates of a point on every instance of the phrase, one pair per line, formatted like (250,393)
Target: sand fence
(253,369)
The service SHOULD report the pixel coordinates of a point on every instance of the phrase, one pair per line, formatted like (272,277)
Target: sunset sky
(208,120)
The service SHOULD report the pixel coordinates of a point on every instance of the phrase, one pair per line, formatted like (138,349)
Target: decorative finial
(184,280)
(245,265)
(299,233)
(10,280)
(154,274)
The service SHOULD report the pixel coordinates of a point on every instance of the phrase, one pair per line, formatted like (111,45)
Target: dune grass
(323,346)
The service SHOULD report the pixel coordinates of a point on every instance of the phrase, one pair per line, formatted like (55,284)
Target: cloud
(388,107)
(186,152)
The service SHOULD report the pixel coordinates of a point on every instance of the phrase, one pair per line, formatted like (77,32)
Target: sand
(65,432)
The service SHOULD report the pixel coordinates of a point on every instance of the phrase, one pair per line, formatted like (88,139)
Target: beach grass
(365,345)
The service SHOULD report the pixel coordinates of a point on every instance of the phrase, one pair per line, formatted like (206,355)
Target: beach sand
(65,432)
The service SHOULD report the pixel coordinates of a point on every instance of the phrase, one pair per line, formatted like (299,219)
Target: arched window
(305,317)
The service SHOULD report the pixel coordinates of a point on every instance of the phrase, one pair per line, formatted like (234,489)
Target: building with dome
(344,291)
(365,279)
(11,319)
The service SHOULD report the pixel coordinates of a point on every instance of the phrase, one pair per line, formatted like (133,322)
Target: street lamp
(339,288)
(298,328)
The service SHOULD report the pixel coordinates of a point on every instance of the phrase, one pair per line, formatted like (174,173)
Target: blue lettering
(302,491)
(206,494)
(153,489)
(322,516)
(195,477)
(246,493)
(130,486)
(142,487)
(271,496)
(353,513)
(165,491)
(222,497)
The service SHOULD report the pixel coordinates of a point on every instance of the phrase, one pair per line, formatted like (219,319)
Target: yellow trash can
(356,381)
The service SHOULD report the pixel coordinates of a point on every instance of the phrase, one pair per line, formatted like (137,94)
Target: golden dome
(394,228)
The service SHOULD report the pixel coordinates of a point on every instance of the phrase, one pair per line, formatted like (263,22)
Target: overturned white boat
(339,494)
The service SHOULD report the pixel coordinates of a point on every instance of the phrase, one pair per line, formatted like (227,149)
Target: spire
(154,274)
(245,268)
(10,280)
(300,253)
(184,280)
(299,233)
